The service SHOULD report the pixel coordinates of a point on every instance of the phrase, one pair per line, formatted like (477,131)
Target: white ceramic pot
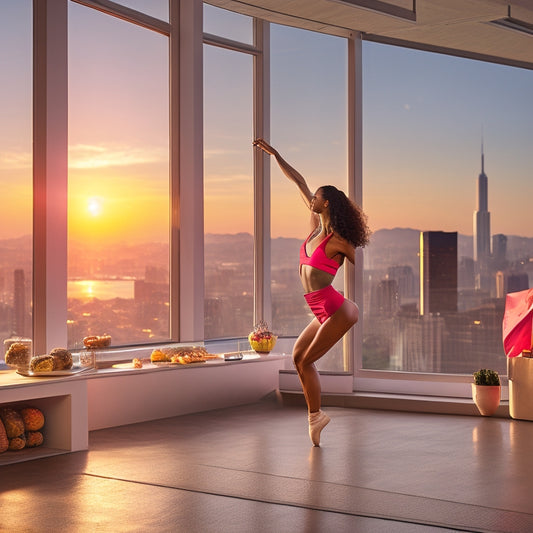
(486,398)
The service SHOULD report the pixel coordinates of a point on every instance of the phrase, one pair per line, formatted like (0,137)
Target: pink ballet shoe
(317,422)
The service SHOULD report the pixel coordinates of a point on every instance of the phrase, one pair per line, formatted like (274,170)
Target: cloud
(407,107)
(15,160)
(85,156)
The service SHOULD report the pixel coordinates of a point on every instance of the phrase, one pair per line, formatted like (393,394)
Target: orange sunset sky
(424,119)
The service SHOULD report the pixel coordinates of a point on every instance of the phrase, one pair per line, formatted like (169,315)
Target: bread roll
(42,363)
(13,422)
(33,439)
(18,355)
(62,359)
(97,341)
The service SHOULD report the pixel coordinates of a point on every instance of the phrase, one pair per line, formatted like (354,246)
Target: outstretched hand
(260,143)
(288,170)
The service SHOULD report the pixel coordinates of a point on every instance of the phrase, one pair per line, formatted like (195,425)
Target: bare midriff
(314,279)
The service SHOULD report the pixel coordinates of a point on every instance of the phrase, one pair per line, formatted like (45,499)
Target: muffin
(62,359)
(42,363)
(18,355)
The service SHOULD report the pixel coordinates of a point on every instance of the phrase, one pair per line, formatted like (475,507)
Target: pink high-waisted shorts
(324,302)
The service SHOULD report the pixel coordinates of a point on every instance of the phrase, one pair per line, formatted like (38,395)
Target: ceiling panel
(455,26)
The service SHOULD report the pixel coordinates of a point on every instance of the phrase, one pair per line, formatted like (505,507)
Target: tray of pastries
(59,362)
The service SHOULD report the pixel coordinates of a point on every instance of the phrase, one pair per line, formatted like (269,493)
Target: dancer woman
(339,228)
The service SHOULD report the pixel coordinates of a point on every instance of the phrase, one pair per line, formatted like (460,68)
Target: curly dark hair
(347,219)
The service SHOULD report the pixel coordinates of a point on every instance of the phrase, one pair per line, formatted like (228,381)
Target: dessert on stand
(261,339)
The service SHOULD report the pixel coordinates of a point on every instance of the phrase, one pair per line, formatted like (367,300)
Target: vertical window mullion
(50,176)
(354,273)
(191,215)
(261,112)
(174,133)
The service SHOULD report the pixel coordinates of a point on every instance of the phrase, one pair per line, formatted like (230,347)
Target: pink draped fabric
(517,322)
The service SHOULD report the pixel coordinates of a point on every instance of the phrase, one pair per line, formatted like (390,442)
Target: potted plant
(486,391)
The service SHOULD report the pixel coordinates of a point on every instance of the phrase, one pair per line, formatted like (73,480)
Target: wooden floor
(253,469)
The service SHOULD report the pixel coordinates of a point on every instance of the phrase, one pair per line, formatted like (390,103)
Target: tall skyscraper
(482,216)
(19,317)
(499,251)
(438,272)
(385,298)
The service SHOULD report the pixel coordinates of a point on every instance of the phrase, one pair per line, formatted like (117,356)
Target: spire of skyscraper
(482,158)
(482,191)
(481,224)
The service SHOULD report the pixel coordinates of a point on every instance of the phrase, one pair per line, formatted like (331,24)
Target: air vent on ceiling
(385,7)
(514,24)
(511,23)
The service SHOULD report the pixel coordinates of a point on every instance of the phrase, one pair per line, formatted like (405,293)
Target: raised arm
(288,170)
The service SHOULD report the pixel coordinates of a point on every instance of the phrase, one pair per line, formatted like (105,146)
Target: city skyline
(425,111)
(423,115)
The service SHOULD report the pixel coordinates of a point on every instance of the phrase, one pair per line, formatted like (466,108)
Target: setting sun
(94,206)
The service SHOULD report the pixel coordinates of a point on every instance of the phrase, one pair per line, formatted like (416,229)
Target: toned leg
(310,379)
(315,340)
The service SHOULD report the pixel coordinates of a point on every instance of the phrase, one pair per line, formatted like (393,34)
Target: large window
(154,8)
(228,25)
(228,185)
(448,188)
(118,244)
(445,167)
(16,170)
(309,127)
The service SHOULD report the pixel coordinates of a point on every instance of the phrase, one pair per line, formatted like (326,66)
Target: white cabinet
(64,404)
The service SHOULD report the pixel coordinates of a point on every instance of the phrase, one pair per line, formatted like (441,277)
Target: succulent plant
(486,377)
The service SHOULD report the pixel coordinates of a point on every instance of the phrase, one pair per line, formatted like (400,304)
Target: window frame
(50,169)
(260,50)
(50,160)
(421,383)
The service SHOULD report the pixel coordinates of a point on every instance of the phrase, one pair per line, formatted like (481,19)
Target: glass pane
(118,180)
(228,24)
(228,193)
(16,171)
(308,92)
(154,8)
(447,183)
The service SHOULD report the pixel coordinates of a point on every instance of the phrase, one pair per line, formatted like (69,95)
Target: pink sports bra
(318,258)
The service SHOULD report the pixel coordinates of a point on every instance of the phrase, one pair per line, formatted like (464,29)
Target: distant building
(385,299)
(507,282)
(438,272)
(482,216)
(466,273)
(418,343)
(482,229)
(405,278)
(499,251)
(19,317)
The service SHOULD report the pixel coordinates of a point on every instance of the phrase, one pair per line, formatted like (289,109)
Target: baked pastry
(192,354)
(18,355)
(13,422)
(97,341)
(33,439)
(62,359)
(42,363)
(33,418)
(157,356)
(17,443)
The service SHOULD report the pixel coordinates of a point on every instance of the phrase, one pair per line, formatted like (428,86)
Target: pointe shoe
(317,422)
